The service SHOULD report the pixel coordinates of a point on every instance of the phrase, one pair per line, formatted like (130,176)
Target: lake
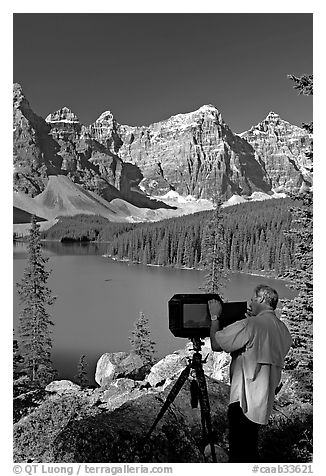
(98,300)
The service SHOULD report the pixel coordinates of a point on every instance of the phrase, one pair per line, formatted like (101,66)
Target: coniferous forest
(252,233)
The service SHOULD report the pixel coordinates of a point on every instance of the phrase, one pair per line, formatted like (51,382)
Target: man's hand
(215,308)
(249,312)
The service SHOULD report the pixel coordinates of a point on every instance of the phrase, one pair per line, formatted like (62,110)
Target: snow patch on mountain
(234,200)
(189,202)
(105,116)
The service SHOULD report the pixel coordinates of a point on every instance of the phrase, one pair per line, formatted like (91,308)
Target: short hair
(269,294)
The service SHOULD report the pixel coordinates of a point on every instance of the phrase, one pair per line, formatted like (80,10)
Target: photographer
(258,346)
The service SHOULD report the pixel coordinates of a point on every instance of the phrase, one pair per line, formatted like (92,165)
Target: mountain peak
(210,111)
(18,89)
(207,108)
(191,118)
(19,97)
(64,114)
(272,116)
(105,116)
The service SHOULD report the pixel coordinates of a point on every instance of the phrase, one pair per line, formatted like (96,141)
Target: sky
(147,67)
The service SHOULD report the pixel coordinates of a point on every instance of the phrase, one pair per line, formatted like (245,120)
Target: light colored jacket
(258,346)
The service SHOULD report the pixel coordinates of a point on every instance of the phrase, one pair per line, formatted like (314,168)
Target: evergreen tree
(189,251)
(304,84)
(140,340)
(81,377)
(17,359)
(214,250)
(34,319)
(299,311)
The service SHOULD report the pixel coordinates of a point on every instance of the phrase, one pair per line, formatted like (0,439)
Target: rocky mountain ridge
(194,154)
(56,146)
(283,149)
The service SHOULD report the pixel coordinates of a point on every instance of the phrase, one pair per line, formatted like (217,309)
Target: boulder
(170,367)
(119,364)
(119,392)
(217,366)
(62,386)
(107,365)
(132,367)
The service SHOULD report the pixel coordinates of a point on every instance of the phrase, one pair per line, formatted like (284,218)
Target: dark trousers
(243,436)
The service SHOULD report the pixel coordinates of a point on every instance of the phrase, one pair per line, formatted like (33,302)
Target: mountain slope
(35,152)
(62,197)
(281,148)
(22,216)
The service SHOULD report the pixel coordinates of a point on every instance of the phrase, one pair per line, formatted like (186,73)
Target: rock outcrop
(109,424)
(72,428)
(283,150)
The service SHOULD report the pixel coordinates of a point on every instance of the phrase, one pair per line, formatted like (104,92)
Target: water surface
(98,300)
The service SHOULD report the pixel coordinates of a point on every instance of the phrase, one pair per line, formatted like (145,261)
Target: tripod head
(197,343)
(197,356)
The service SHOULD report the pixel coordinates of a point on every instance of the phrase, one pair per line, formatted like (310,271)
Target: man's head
(264,297)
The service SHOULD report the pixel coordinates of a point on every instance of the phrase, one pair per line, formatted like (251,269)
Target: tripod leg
(204,406)
(170,398)
(202,416)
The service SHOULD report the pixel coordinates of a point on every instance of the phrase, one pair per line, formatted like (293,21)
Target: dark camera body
(189,314)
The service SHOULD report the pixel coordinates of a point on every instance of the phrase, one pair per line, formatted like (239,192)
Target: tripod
(200,391)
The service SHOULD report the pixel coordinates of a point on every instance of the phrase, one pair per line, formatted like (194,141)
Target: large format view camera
(189,317)
(189,314)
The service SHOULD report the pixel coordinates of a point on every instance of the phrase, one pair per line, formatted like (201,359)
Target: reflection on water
(58,248)
(98,300)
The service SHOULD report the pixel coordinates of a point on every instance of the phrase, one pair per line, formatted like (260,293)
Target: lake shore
(263,274)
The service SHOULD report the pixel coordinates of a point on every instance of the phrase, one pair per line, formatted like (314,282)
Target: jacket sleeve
(233,337)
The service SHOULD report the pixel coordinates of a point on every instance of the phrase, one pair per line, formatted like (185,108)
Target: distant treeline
(252,234)
(85,228)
